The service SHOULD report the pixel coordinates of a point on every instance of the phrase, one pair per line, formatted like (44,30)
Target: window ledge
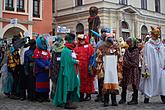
(39,19)
(13,12)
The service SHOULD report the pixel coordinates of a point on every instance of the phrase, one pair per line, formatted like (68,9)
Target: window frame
(144,4)
(79,3)
(19,9)
(7,5)
(38,15)
(157,6)
(123,2)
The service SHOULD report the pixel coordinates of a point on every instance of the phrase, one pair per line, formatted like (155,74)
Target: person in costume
(68,83)
(130,71)
(57,48)
(14,68)
(29,73)
(153,69)
(41,68)
(107,70)
(100,86)
(84,52)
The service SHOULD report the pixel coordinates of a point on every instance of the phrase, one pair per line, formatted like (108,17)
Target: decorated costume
(107,70)
(130,71)
(68,83)
(84,52)
(58,46)
(42,62)
(153,70)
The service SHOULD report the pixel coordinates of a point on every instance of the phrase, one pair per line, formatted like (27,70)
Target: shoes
(163,98)
(87,98)
(146,100)
(14,97)
(22,98)
(114,103)
(106,104)
(133,102)
(122,101)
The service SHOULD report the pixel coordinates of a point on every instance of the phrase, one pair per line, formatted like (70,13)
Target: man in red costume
(84,52)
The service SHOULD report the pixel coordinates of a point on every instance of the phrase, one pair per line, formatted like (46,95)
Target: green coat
(68,80)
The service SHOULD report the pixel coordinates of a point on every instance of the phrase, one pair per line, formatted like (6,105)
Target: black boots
(106,100)
(163,98)
(134,100)
(146,100)
(113,99)
(87,97)
(123,97)
(81,97)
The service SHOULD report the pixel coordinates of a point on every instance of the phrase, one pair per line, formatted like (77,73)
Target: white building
(125,17)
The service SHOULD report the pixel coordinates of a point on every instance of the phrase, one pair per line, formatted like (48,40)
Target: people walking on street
(68,83)
(107,70)
(42,63)
(130,71)
(153,71)
(84,52)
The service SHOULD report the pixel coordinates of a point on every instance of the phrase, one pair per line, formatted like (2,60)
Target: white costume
(154,61)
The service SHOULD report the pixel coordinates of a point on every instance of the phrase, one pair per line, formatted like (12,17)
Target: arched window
(124,25)
(80,28)
(125,31)
(144,32)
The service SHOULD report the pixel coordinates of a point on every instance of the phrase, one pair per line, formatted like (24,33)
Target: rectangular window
(144,4)
(123,2)
(79,2)
(36,8)
(157,6)
(20,5)
(9,5)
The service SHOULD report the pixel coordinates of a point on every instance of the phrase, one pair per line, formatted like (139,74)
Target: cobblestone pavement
(10,104)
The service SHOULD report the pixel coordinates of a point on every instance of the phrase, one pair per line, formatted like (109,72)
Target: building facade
(30,17)
(124,17)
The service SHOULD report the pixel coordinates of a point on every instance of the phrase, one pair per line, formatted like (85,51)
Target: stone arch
(11,26)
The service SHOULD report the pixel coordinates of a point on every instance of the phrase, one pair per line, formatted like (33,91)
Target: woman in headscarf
(84,52)
(58,46)
(130,71)
(42,63)
(68,83)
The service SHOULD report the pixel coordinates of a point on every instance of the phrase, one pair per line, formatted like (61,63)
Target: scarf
(58,48)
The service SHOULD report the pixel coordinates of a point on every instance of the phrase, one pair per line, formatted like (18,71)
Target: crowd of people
(78,68)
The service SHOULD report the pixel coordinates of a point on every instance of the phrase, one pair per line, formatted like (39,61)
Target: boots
(106,99)
(134,98)
(87,97)
(123,97)
(113,99)
(163,98)
(146,100)
(81,96)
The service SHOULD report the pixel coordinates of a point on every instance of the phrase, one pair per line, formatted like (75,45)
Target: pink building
(31,17)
